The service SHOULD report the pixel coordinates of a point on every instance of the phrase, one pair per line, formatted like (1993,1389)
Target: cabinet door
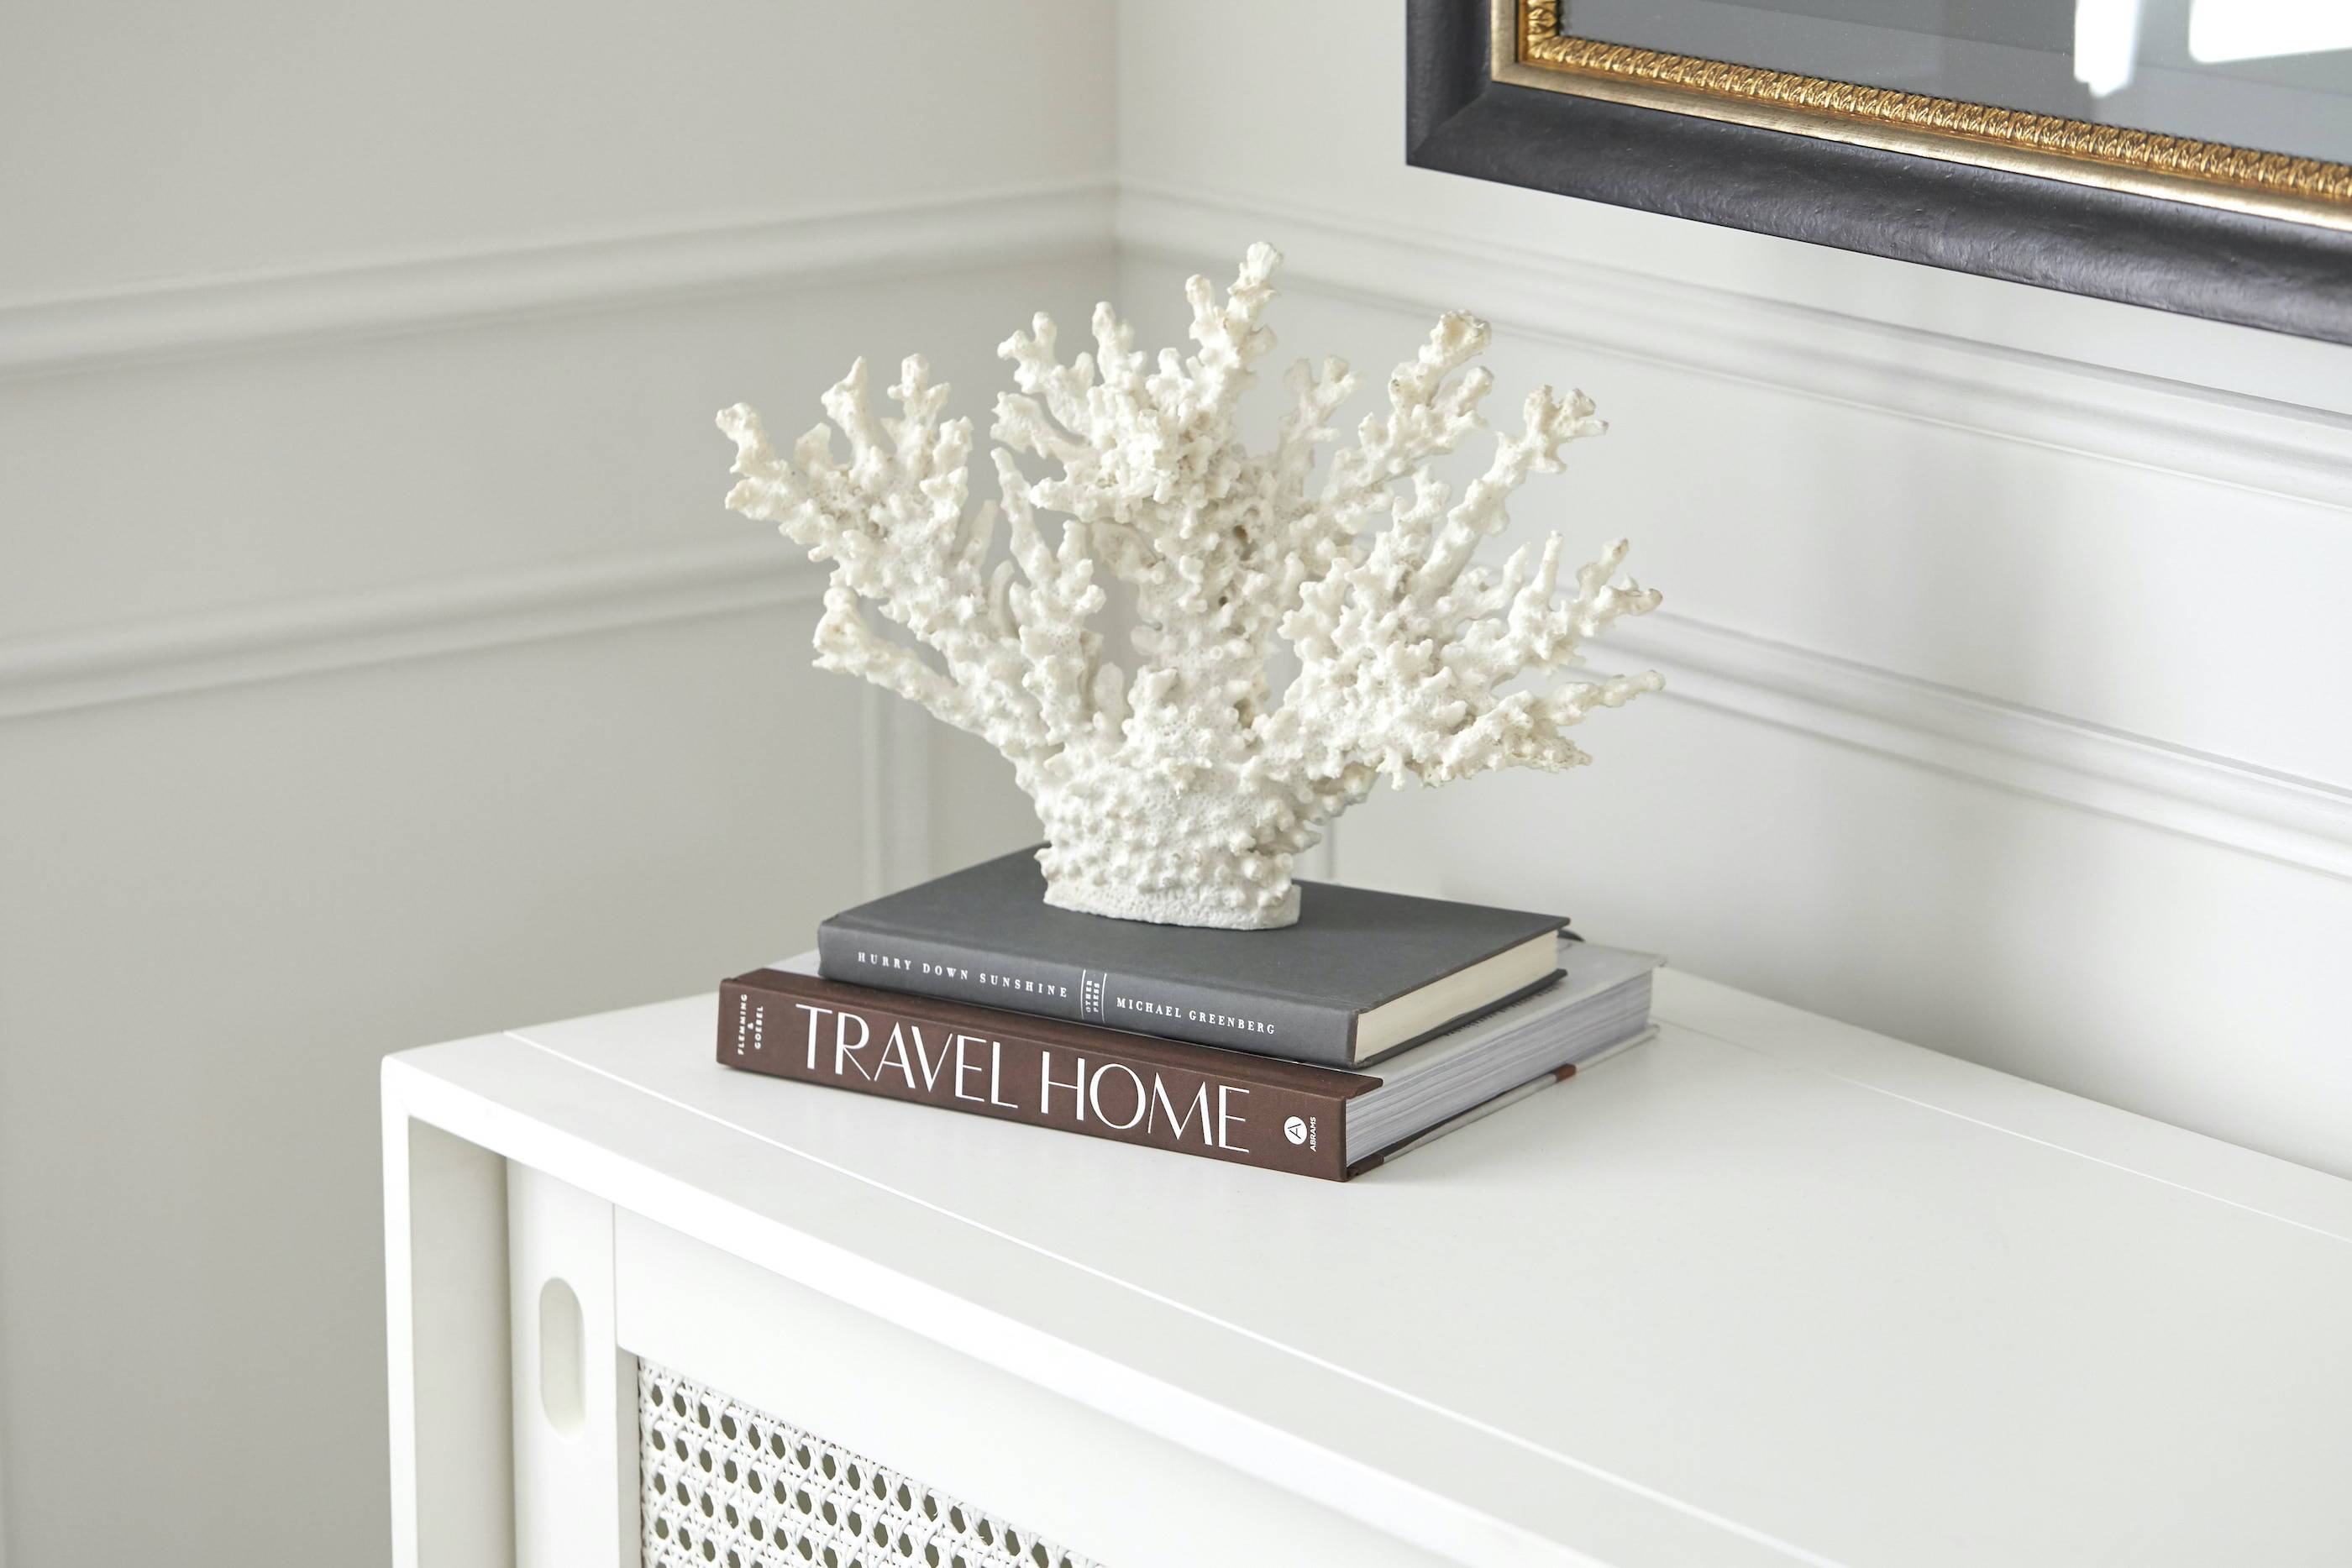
(936,1455)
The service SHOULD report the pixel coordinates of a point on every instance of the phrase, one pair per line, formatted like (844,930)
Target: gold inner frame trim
(1530,50)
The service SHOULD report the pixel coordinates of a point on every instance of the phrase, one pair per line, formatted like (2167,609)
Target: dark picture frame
(2246,237)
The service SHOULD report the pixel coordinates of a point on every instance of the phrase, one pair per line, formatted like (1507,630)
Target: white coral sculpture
(1180,791)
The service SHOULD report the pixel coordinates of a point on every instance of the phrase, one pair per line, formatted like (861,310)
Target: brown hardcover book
(1138,1089)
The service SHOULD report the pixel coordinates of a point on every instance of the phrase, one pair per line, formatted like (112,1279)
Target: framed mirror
(2192,156)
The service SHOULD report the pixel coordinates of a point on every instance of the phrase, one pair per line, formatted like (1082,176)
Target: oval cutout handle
(562,1368)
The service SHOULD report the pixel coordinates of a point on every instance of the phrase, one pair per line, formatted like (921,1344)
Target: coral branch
(1175,789)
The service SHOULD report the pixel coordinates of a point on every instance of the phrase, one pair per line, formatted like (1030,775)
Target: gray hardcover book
(1362,973)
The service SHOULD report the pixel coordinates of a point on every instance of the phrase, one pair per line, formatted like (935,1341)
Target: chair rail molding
(2301,821)
(2227,438)
(174,320)
(146,659)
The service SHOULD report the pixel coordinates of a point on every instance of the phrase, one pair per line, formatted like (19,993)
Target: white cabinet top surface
(1767,1290)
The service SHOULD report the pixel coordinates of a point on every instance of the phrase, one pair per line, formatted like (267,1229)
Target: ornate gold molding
(1532,51)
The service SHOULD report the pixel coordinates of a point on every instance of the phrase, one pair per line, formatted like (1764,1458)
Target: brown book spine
(1077,1078)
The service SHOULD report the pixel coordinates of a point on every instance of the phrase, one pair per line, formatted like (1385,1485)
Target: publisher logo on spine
(1296,1129)
(1091,993)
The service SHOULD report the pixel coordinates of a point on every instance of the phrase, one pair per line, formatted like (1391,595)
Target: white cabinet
(1767,1291)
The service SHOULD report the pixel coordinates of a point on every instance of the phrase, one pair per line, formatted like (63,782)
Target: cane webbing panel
(726,1486)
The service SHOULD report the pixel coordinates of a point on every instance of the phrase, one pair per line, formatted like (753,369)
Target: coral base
(1175,844)
(1172,905)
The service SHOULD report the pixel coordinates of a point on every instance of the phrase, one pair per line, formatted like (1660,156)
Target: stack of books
(1375,1024)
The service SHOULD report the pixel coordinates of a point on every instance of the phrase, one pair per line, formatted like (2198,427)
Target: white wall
(377,664)
(2010,680)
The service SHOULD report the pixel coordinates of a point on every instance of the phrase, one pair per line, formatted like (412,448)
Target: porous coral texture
(1178,789)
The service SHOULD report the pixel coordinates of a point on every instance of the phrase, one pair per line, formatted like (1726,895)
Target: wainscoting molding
(76,670)
(909,239)
(2272,447)
(2298,821)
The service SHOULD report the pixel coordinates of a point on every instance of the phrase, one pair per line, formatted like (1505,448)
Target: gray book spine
(1142,1004)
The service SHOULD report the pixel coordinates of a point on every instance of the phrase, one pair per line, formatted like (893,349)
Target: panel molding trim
(45,337)
(2279,816)
(123,664)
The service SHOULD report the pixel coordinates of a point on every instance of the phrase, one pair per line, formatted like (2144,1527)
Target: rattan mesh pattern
(726,1486)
